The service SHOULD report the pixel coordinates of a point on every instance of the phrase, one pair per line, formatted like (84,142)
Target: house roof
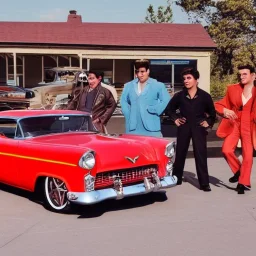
(76,32)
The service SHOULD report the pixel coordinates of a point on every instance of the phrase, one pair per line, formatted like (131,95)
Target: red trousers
(242,130)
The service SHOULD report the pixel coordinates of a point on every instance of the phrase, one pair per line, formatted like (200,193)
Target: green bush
(219,85)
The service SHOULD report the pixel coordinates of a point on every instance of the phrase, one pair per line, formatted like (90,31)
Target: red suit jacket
(233,101)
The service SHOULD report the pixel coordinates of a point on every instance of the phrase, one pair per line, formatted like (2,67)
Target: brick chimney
(74,18)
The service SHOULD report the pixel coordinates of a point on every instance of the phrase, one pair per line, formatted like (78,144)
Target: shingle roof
(75,32)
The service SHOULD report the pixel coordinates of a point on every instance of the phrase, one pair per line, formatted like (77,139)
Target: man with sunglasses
(143,100)
(238,109)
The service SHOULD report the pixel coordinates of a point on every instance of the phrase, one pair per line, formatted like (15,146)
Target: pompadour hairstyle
(143,63)
(250,67)
(190,71)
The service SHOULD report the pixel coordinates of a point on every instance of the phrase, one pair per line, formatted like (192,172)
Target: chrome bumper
(96,196)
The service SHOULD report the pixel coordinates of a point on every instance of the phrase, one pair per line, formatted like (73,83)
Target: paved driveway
(184,221)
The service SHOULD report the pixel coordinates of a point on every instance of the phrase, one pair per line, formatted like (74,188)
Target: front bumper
(96,196)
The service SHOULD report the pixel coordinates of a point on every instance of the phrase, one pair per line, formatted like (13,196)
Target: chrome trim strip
(93,197)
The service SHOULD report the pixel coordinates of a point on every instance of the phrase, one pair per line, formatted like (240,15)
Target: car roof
(17,114)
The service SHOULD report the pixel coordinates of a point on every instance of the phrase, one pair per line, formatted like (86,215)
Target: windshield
(64,75)
(43,125)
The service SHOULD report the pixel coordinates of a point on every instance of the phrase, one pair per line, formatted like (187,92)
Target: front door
(8,152)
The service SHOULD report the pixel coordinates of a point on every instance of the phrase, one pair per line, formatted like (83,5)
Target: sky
(127,11)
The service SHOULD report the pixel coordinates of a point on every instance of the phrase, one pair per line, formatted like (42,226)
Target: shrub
(219,85)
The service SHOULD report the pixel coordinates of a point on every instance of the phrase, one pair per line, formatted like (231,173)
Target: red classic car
(60,154)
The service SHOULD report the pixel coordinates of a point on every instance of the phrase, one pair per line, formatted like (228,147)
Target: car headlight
(170,149)
(87,161)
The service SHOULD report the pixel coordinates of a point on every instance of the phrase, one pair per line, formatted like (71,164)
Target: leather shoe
(235,178)
(246,187)
(240,189)
(205,188)
(179,182)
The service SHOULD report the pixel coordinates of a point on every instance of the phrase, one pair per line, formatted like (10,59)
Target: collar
(185,90)
(149,81)
(96,88)
(242,86)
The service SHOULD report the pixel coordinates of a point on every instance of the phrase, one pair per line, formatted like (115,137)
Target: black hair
(141,64)
(249,67)
(190,71)
(97,73)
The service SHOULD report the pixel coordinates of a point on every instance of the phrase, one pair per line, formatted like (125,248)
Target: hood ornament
(132,160)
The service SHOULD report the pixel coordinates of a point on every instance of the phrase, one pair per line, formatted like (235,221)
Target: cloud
(56,14)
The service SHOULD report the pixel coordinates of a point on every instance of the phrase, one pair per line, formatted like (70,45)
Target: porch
(25,67)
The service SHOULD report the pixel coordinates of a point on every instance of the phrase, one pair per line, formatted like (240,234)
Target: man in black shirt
(196,115)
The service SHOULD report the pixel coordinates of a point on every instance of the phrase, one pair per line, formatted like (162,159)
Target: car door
(9,149)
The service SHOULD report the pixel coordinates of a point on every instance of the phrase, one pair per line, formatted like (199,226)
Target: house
(28,48)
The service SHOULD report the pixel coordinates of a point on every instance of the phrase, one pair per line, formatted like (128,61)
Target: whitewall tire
(55,195)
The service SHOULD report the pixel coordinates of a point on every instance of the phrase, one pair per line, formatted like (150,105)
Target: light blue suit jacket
(153,101)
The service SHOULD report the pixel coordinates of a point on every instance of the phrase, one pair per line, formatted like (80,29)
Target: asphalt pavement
(183,221)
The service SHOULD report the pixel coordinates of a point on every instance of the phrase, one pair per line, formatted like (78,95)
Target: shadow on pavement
(99,209)
(96,210)
(190,177)
(16,191)
(22,193)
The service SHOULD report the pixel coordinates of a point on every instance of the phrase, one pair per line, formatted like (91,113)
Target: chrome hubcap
(56,192)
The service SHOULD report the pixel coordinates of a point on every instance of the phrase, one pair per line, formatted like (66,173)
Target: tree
(164,14)
(232,25)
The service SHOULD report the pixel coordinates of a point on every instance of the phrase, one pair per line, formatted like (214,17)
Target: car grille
(127,176)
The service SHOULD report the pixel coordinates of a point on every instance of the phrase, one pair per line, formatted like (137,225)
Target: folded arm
(223,104)
(223,107)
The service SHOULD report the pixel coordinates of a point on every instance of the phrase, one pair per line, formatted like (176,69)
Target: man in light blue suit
(143,100)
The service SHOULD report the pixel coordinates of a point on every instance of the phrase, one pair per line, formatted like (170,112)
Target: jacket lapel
(239,91)
(135,86)
(146,88)
(97,95)
(253,96)
(253,116)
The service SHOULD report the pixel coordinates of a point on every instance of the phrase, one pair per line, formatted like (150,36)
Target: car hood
(112,152)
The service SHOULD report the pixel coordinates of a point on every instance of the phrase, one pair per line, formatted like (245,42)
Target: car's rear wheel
(55,195)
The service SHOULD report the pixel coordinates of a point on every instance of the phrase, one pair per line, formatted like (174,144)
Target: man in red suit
(238,109)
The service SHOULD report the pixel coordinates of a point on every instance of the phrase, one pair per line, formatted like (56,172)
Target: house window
(169,72)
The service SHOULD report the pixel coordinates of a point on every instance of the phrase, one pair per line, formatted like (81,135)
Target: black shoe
(246,187)
(179,182)
(240,189)
(205,188)
(235,178)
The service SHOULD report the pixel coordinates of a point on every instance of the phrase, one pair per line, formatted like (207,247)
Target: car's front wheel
(55,195)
